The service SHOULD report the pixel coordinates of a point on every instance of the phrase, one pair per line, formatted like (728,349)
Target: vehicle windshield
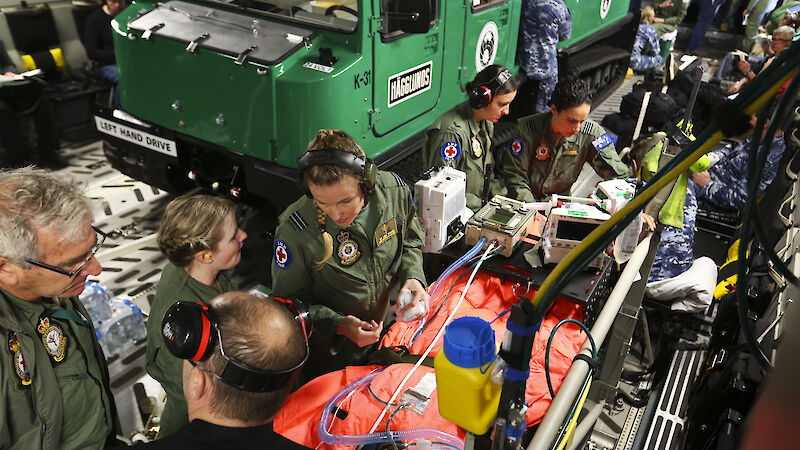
(341,15)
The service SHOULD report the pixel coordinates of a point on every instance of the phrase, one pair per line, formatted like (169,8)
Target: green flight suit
(388,237)
(529,178)
(672,15)
(55,395)
(175,285)
(456,140)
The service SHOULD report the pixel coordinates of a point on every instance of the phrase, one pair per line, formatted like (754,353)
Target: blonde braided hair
(191,224)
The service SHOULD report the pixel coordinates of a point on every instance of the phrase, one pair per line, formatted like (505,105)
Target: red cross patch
(283,257)
(450,151)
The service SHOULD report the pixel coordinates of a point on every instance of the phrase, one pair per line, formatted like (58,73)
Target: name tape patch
(410,83)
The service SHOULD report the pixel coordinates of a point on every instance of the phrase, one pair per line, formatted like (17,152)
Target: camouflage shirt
(727,189)
(456,140)
(535,166)
(543,24)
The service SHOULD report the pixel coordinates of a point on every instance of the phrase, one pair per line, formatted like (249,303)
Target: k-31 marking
(362,79)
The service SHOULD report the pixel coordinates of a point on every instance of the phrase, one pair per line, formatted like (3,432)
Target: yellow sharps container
(467,395)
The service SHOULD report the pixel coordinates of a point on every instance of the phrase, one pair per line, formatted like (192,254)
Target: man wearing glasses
(55,385)
(781,40)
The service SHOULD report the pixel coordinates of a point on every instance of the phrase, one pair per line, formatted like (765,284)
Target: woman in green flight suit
(462,137)
(344,248)
(200,237)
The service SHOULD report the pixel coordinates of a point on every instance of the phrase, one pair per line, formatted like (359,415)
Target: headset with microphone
(190,332)
(363,166)
(481,95)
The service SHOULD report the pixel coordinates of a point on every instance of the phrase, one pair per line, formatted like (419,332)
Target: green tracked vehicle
(226,94)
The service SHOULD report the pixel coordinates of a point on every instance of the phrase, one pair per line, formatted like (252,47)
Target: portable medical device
(568,225)
(441,200)
(503,220)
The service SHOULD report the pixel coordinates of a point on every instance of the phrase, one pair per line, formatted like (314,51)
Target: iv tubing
(374,438)
(484,257)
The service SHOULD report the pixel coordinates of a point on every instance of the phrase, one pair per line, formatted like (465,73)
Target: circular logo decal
(486,49)
(605,6)
(283,257)
(516,147)
(450,151)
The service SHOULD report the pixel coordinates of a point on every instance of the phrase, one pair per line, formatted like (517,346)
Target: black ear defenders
(190,332)
(363,166)
(481,95)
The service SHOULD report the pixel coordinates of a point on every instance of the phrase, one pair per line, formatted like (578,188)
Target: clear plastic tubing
(459,262)
(452,268)
(374,438)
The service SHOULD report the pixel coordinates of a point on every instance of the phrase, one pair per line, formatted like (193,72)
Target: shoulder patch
(24,378)
(297,220)
(516,147)
(450,151)
(587,128)
(282,254)
(53,338)
(601,142)
(398,179)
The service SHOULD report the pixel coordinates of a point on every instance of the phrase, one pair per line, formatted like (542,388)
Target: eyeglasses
(101,237)
(781,40)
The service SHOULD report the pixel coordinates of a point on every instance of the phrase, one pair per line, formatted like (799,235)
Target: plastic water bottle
(112,338)
(626,242)
(124,328)
(134,324)
(95,300)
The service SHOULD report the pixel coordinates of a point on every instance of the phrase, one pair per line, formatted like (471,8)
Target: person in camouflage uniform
(646,50)
(675,250)
(548,150)
(462,137)
(723,187)
(544,23)
(343,250)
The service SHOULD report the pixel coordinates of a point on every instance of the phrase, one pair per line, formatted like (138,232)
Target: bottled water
(95,300)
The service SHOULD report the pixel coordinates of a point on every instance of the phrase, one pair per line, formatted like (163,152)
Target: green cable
(780,266)
(550,342)
(755,164)
(597,242)
(369,389)
(445,444)
(389,421)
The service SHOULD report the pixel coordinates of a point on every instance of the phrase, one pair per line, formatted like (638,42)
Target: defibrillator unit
(567,226)
(442,201)
(502,219)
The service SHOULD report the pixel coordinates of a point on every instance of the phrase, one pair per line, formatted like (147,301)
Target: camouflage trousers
(675,251)
(546,87)
(643,63)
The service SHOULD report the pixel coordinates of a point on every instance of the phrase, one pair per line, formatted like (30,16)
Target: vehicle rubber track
(604,67)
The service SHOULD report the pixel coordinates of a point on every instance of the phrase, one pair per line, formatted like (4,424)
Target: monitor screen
(501,216)
(574,231)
